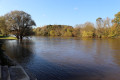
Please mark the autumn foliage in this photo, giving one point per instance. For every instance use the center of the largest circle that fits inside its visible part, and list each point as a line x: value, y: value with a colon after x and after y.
x: 103, y: 28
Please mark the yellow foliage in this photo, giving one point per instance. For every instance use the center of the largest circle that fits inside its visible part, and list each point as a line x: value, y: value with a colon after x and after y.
x: 52, y: 33
x: 87, y: 34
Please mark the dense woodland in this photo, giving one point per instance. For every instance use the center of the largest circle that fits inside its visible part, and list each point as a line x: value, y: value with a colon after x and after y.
x: 104, y: 28
x: 20, y: 24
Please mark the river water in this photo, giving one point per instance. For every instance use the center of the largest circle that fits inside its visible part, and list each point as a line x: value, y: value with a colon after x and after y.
x: 56, y: 58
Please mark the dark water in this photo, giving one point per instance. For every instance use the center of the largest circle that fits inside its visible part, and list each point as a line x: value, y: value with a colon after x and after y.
x: 68, y: 58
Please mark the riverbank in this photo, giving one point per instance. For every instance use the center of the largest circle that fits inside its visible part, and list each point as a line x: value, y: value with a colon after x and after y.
x: 4, y: 59
x: 10, y: 70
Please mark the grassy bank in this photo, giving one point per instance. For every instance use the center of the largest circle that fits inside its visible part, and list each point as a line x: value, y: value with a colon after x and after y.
x: 8, y: 37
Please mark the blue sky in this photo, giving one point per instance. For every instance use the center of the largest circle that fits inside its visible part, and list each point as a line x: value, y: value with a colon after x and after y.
x: 65, y: 12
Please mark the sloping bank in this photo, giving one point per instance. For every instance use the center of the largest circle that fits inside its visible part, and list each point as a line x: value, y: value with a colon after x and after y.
x: 10, y: 70
x: 4, y: 59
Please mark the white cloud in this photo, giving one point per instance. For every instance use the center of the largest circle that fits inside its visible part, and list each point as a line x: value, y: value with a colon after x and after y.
x: 76, y: 8
x: 44, y: 15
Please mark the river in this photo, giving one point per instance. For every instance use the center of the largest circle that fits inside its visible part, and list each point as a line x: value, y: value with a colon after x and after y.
x: 56, y: 58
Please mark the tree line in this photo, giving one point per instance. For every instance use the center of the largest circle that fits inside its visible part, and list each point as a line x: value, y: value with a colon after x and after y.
x: 19, y: 24
x: 103, y: 28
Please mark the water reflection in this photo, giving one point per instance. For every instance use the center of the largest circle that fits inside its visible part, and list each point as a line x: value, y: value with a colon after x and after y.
x: 56, y: 58
x: 20, y: 51
x: 115, y: 46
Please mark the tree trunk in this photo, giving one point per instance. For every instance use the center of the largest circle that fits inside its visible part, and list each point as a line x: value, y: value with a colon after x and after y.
x: 17, y: 37
x: 21, y: 37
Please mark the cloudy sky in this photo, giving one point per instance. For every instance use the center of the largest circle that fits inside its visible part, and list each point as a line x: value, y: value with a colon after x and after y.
x: 66, y: 12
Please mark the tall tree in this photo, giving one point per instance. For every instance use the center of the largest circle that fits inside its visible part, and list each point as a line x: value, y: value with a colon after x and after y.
x: 99, y: 22
x: 117, y: 19
x: 19, y: 23
x: 116, y: 24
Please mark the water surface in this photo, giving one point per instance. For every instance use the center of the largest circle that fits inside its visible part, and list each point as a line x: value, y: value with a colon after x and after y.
x: 55, y: 58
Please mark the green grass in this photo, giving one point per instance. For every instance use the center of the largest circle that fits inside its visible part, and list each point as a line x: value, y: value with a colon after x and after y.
x: 8, y: 37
